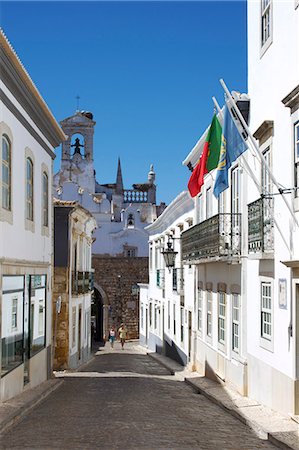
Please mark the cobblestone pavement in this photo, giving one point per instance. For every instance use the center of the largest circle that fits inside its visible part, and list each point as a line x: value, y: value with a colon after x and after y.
x: 126, y: 400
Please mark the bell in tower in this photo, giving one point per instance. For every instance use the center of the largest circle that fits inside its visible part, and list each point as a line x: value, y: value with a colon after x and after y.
x: 77, y: 164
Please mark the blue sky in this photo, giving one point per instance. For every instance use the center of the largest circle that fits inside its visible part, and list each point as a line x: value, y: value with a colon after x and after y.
x: 147, y: 71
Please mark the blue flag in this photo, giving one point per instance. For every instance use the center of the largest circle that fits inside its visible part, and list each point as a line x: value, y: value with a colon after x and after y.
x: 232, y: 146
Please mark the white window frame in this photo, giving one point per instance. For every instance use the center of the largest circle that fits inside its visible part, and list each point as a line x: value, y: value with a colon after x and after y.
x: 14, y: 313
x: 266, y: 182
x: 235, y: 299
x: 221, y: 203
x: 6, y: 164
x: 266, y: 313
x: 45, y: 199
x: 199, y: 309
x: 209, y: 314
x: 209, y: 208
x: 221, y: 319
x: 182, y: 315
x: 5, y: 214
x: 296, y: 157
x: 29, y: 190
x: 266, y: 30
x: 236, y: 190
x: 200, y: 208
x: 74, y: 317
x: 174, y: 320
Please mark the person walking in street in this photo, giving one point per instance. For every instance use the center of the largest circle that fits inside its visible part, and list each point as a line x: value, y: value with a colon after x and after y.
x: 112, y: 336
x: 122, y: 332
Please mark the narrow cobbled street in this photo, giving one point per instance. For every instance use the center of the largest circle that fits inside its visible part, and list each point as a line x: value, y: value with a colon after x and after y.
x: 126, y: 400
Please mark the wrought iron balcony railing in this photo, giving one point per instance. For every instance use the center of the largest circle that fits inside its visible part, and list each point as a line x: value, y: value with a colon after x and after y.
x: 260, y: 226
x: 160, y: 278
x: 82, y: 282
x: 218, y: 237
x: 178, y: 280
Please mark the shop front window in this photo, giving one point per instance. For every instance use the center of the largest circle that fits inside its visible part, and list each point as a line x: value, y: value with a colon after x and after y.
x: 12, y: 323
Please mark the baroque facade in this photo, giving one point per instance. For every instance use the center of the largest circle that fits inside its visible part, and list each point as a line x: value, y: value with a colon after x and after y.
x: 121, y: 215
x: 29, y: 134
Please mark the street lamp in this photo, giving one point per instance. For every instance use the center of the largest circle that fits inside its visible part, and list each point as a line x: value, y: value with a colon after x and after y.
x: 169, y: 255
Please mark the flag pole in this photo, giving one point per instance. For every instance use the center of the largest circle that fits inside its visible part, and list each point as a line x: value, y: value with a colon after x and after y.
x: 255, y: 180
x: 257, y: 150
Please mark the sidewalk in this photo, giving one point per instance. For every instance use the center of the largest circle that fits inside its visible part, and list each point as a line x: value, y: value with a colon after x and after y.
x: 267, y: 424
x: 12, y: 410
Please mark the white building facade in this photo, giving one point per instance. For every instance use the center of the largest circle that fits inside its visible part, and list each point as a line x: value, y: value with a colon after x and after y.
x: 273, y: 261
x: 167, y: 302
x: 29, y: 134
x: 73, y: 284
x: 242, y: 253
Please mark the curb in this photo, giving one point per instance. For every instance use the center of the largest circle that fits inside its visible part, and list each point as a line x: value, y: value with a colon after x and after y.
x: 28, y: 406
x: 260, y: 431
x: 162, y: 363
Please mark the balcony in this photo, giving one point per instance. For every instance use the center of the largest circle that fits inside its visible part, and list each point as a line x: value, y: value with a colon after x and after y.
x: 82, y: 282
x: 260, y: 226
x: 178, y: 280
x: 217, y: 238
x: 160, y: 278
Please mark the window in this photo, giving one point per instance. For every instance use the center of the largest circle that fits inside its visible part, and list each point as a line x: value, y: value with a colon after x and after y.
x: 296, y: 159
x: 221, y: 317
x: 150, y: 314
x: 37, y: 328
x: 265, y: 177
x: 200, y: 211
x: 150, y: 257
x: 130, y: 221
x: 209, y: 313
x: 174, y: 321
x: 235, y: 191
x: 199, y: 310
x: 6, y: 173
x: 155, y: 318
x: 236, y: 322
x: 130, y: 252
x: 45, y: 200
x: 29, y: 189
x: 74, y: 326
x: 12, y: 330
x: 182, y: 324
x: 174, y: 279
x: 221, y: 203
x: 14, y: 313
x: 266, y: 310
x: 142, y: 317
x: 208, y: 203
x: 266, y: 24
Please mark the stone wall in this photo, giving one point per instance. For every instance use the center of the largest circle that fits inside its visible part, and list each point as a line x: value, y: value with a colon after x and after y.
x: 115, y: 277
x: 61, y: 320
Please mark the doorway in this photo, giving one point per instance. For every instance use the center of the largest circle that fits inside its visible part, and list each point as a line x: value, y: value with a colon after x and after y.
x: 189, y: 334
x: 79, y: 333
x: 97, y: 315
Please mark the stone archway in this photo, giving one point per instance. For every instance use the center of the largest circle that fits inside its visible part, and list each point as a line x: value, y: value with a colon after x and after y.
x: 100, y: 313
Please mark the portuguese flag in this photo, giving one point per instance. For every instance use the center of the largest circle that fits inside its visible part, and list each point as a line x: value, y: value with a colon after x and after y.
x: 209, y: 157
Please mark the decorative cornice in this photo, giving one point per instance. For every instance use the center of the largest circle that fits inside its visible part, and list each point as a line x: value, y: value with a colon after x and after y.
x: 18, y: 81
x: 182, y: 204
x: 266, y: 127
x: 292, y: 100
x: 19, y: 116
